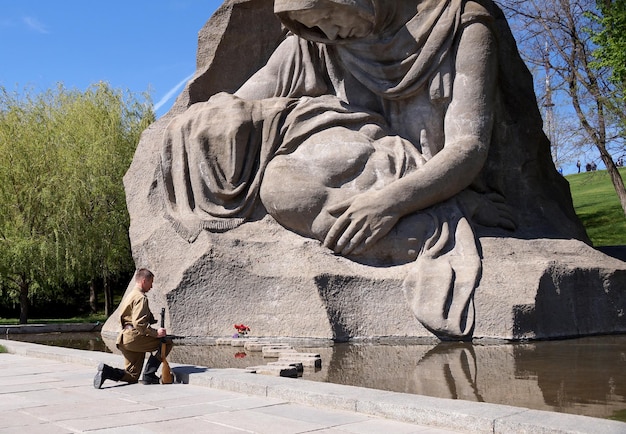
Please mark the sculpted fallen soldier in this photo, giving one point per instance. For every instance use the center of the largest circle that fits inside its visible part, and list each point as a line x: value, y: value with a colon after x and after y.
x: 136, y: 338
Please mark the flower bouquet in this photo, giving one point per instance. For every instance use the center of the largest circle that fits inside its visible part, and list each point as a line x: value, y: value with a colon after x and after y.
x: 242, y: 330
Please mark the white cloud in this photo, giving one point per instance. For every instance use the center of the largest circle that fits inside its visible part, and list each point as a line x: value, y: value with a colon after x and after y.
x: 35, y: 24
x: 170, y: 93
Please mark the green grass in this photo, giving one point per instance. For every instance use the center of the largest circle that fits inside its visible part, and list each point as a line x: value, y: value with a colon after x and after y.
x: 598, y: 207
x: 73, y: 320
x: 619, y: 415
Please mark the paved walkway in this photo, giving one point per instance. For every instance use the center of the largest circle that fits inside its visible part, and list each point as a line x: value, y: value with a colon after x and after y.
x: 49, y: 390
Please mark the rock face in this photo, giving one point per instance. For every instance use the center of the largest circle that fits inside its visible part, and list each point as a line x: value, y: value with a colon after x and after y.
x: 541, y: 280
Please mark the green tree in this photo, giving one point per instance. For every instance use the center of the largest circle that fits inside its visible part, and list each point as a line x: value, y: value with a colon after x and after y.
x: 610, y: 54
x: 611, y: 39
x: 63, y: 220
x: 566, y: 29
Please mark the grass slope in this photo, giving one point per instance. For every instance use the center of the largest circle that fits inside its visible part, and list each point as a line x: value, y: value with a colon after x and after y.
x: 598, y: 207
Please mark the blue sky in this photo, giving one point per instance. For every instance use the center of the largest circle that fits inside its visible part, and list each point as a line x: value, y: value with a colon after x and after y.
x: 135, y: 45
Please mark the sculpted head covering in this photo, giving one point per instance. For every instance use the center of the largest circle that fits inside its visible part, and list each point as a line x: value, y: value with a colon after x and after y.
x: 409, y: 42
x: 299, y: 5
x: 365, y: 9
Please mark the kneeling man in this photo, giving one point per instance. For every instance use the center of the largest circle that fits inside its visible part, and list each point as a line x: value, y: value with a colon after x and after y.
x: 136, y: 337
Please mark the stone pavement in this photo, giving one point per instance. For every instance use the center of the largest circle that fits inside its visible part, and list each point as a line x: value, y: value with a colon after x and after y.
x: 49, y: 389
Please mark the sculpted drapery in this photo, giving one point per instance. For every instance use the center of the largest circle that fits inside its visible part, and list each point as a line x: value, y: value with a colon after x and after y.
x: 366, y: 138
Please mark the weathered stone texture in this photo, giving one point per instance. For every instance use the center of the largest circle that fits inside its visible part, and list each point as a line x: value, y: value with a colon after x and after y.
x: 540, y: 281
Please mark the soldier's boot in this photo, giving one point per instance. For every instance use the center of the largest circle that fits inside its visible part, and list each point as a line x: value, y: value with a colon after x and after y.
x: 149, y: 373
x: 106, y: 372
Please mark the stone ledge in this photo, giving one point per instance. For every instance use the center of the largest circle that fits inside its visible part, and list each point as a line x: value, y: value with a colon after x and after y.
x: 49, y: 328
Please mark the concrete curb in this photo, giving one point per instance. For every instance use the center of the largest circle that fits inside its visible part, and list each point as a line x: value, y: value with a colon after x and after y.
x: 7, y: 330
x: 463, y: 416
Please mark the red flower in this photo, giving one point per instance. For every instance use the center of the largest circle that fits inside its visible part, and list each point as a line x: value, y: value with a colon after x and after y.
x: 242, y: 328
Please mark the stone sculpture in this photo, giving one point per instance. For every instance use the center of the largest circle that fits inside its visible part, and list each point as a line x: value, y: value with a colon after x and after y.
x: 403, y: 136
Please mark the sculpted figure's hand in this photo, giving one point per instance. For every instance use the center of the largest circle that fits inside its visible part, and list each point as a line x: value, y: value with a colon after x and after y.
x: 489, y: 209
x: 361, y: 222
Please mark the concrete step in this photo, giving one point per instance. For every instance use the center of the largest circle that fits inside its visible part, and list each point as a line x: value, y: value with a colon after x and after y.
x: 306, y: 361
x: 299, y: 366
x: 276, y: 371
x: 274, y: 351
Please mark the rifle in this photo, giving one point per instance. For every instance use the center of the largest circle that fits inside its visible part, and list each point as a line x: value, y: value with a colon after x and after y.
x: 166, y: 372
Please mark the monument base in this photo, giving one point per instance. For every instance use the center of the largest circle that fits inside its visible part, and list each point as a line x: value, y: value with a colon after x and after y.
x: 281, y: 284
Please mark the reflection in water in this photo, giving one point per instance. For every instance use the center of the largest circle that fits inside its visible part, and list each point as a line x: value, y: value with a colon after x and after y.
x: 453, y: 367
x: 586, y: 373
x: 91, y: 341
x: 579, y: 376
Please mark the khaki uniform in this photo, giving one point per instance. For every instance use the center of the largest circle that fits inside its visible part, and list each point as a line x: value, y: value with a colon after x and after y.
x: 137, y: 337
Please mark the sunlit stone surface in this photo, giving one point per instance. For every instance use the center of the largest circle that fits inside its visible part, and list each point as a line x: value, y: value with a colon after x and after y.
x: 453, y: 266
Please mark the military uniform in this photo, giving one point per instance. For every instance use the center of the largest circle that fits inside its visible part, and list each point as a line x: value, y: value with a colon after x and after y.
x: 137, y: 337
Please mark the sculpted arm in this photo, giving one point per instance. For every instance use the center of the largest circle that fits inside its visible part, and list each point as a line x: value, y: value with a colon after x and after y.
x: 467, y: 127
x: 291, y: 71
x: 264, y: 82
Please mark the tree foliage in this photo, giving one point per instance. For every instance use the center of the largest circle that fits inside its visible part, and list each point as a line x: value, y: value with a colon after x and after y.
x: 611, y: 40
x: 610, y: 53
x: 559, y: 35
x: 63, y: 219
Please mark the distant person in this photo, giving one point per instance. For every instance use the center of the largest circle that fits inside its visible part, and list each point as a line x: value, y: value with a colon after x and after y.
x: 578, y: 165
x: 588, y: 167
x: 136, y: 338
x: 594, y: 166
